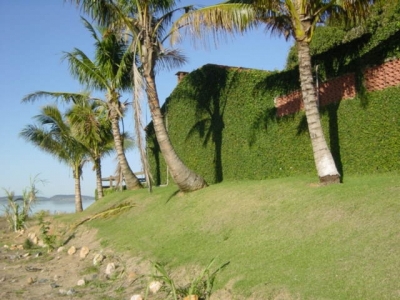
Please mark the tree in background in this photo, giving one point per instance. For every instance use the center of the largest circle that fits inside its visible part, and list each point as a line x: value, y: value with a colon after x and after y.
x: 92, y: 127
x: 145, y: 24
x: 110, y: 72
x: 291, y: 18
x: 53, y: 134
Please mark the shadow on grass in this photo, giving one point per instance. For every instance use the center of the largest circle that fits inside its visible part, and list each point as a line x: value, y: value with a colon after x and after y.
x: 172, y: 196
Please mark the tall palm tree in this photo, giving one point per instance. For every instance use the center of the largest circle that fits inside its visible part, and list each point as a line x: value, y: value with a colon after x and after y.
x: 53, y: 135
x: 146, y: 24
x: 290, y: 18
x: 108, y: 72
x: 92, y: 127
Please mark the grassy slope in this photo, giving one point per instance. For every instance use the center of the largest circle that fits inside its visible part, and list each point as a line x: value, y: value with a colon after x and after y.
x: 281, y: 236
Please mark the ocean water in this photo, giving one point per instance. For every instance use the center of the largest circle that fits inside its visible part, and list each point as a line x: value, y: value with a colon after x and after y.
x: 53, y: 206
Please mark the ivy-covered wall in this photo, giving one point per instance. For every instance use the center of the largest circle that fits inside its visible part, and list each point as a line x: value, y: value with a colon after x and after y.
x: 224, y: 125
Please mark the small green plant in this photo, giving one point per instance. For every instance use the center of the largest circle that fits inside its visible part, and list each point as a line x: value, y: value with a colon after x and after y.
x: 48, y: 239
x: 28, y: 244
x: 162, y: 275
x: 90, y: 270
x: 14, y: 216
x: 17, y: 213
x: 200, y: 286
x: 203, y: 284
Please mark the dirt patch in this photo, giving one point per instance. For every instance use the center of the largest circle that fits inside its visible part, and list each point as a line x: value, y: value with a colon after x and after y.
x: 36, y: 273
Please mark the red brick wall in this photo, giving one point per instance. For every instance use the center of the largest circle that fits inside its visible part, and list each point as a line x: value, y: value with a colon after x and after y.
x: 383, y: 76
x: 340, y: 88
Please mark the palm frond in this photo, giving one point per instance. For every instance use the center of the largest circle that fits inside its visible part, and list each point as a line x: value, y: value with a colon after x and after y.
x: 53, y: 135
x: 170, y: 59
x: 90, y: 28
x: 83, y: 69
x: 57, y: 96
x: 100, y: 10
x: 219, y: 21
x: 167, y: 19
x: 113, y: 211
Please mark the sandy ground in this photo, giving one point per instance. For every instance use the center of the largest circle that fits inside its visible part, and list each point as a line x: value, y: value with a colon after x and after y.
x: 38, y: 274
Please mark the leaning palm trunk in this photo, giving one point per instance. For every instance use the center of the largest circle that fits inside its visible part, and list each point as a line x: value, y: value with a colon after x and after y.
x: 131, y: 181
x: 99, y: 183
x: 186, y: 179
x: 324, y: 162
x: 78, y: 194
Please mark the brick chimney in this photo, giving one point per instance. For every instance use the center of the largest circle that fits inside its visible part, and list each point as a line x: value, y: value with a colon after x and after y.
x: 181, y: 75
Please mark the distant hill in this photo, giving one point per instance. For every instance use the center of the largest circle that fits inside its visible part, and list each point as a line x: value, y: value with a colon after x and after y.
x: 19, y: 197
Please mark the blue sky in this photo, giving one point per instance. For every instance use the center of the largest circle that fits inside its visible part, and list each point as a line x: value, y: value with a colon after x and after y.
x: 34, y: 36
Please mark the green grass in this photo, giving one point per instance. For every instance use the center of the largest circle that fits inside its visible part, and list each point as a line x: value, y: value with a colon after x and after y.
x: 284, y: 237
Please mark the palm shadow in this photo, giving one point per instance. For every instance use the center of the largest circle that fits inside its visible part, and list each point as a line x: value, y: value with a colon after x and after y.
x: 172, y: 196
x: 283, y: 82
x: 155, y: 150
x: 209, y: 83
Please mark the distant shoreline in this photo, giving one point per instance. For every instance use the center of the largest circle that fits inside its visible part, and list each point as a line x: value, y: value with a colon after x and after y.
x: 54, y: 205
x: 52, y: 198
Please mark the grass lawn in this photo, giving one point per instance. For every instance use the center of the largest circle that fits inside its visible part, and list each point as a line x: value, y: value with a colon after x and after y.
x: 285, y: 238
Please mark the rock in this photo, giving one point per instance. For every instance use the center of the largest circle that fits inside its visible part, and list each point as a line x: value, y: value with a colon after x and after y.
x: 110, y: 268
x: 71, y: 292
x: 155, y: 286
x: 60, y: 249
x: 136, y: 297
x: 71, y: 250
x: 84, y: 252
x: 98, y: 258
x: 33, y: 238
x: 54, y: 285
x: 191, y: 297
x: 30, y: 280
x: 132, y: 276
x: 20, y: 247
x: 32, y: 269
x: 56, y: 277
x: 81, y: 282
x: 26, y: 255
x: 2, y: 279
x: 62, y: 291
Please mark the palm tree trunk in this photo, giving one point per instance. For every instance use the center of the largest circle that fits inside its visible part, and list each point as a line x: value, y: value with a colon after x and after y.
x: 131, y: 181
x: 323, y: 159
x: 99, y: 182
x: 78, y: 193
x: 186, y: 179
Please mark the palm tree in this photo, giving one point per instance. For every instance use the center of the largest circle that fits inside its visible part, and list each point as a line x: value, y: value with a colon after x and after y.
x: 109, y: 72
x: 53, y: 135
x: 91, y: 126
x: 291, y: 18
x: 146, y: 22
